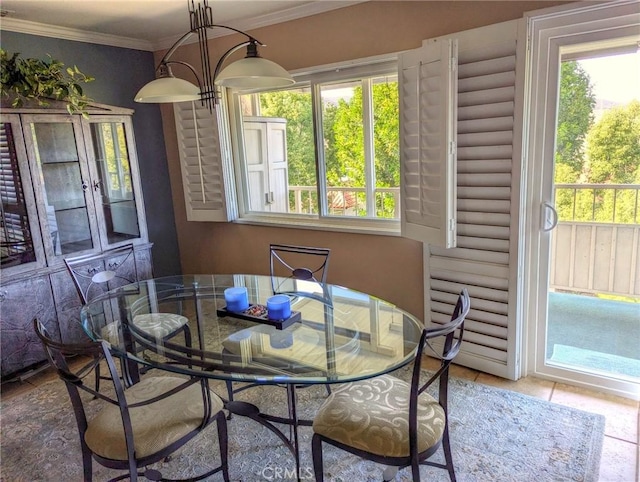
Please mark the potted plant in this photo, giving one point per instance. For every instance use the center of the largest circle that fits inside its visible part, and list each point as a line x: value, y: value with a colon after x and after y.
x: 29, y: 79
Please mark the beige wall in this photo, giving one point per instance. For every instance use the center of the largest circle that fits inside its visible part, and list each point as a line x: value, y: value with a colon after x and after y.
x: 385, y: 266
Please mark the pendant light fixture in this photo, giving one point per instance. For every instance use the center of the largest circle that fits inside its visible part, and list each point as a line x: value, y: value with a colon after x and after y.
x: 250, y: 72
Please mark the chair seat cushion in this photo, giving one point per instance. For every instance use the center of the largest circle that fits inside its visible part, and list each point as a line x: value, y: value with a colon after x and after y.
x: 155, y: 426
x: 160, y: 325
x: 111, y: 333
x: 373, y: 415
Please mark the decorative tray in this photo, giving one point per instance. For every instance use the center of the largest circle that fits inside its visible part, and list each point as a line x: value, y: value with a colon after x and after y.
x: 259, y: 314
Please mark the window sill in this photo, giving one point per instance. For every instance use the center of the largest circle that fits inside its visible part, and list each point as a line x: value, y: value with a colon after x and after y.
x: 344, y: 225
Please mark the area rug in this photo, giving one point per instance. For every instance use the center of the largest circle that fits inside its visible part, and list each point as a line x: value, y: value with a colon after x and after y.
x: 496, y: 435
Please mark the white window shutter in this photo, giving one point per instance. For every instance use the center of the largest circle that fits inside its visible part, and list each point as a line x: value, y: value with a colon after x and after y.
x: 485, y: 261
x: 428, y: 100
x: 202, y: 161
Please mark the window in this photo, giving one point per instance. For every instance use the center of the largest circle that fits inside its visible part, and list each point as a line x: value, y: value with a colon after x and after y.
x: 351, y: 176
x: 327, y: 153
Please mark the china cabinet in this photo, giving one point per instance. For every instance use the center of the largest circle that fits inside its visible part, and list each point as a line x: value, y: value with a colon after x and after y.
x: 69, y: 185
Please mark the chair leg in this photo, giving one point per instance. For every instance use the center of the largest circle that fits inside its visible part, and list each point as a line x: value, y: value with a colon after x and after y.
x: 446, y: 446
x: 415, y: 471
x: 87, y: 463
x: 187, y: 335
x: 97, y: 373
x: 187, y: 340
x: 316, y: 450
x: 223, y: 439
x: 230, y: 395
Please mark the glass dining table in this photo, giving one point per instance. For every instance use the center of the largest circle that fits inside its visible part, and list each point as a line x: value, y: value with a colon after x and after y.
x: 332, y: 335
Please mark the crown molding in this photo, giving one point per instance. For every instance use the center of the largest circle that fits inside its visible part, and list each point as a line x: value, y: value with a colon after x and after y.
x: 45, y: 30
x: 293, y: 13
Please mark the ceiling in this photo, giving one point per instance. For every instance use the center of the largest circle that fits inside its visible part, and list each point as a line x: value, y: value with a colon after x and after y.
x: 146, y: 24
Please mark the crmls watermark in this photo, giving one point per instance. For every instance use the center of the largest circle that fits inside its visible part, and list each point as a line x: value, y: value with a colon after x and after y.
x: 286, y: 473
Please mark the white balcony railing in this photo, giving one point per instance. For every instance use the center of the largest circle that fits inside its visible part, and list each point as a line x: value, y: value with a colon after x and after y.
x: 346, y: 201
x: 596, y: 246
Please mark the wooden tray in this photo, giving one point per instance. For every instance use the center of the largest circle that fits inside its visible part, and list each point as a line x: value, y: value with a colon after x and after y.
x: 262, y: 317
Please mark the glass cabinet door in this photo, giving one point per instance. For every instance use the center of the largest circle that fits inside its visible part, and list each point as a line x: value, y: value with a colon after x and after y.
x: 20, y: 244
x: 116, y: 190
x: 114, y: 167
x: 57, y: 156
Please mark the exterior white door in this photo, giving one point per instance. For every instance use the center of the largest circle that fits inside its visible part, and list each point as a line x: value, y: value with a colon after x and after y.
x: 558, y: 33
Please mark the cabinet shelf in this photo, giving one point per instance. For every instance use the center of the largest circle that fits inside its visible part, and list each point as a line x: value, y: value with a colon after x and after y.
x: 47, y: 164
x: 69, y: 205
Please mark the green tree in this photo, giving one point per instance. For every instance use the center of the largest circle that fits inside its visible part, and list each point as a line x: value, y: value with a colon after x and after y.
x: 613, y: 146
x: 575, y: 116
x: 387, y: 134
x: 346, y: 166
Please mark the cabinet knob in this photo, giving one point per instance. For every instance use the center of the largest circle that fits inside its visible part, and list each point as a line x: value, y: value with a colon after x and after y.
x: 85, y: 186
x: 96, y: 185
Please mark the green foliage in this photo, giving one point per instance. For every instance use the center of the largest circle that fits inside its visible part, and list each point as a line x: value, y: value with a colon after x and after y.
x: 607, y: 152
x: 613, y: 146
x: 575, y: 116
x: 346, y: 167
x: 387, y: 134
x: 42, y: 80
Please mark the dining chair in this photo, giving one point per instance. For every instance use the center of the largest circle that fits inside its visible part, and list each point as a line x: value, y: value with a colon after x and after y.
x: 94, y: 274
x: 393, y: 422
x: 141, y: 425
x: 287, y: 265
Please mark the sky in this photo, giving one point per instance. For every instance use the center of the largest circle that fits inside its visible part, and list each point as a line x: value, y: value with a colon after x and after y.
x: 615, y: 78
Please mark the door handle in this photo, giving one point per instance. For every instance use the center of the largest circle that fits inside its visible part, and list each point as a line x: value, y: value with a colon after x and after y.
x: 549, y: 217
x: 268, y: 197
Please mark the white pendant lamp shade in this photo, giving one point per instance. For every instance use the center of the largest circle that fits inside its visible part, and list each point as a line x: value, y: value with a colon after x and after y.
x: 253, y: 72
x: 168, y: 89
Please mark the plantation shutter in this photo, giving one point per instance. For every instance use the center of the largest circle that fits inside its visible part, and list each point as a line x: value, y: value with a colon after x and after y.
x: 205, y: 163
x: 427, y: 125
x: 19, y: 228
x: 490, y: 99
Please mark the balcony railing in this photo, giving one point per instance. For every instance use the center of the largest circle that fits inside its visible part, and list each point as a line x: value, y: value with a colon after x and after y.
x: 346, y: 201
x: 595, y: 248
x: 601, y: 203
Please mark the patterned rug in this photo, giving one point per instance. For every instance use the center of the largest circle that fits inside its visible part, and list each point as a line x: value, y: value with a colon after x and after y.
x: 496, y: 435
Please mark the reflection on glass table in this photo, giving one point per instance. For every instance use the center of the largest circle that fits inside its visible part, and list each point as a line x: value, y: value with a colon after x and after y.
x: 343, y: 335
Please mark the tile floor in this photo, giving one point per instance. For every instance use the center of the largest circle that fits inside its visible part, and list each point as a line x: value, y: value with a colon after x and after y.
x: 621, y: 449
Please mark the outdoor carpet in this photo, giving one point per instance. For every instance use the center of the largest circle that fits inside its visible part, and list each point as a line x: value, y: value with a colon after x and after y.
x: 496, y: 435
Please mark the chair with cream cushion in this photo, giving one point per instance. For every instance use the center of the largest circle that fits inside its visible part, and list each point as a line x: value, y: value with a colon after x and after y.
x: 140, y: 426
x: 96, y: 273
x: 390, y: 421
